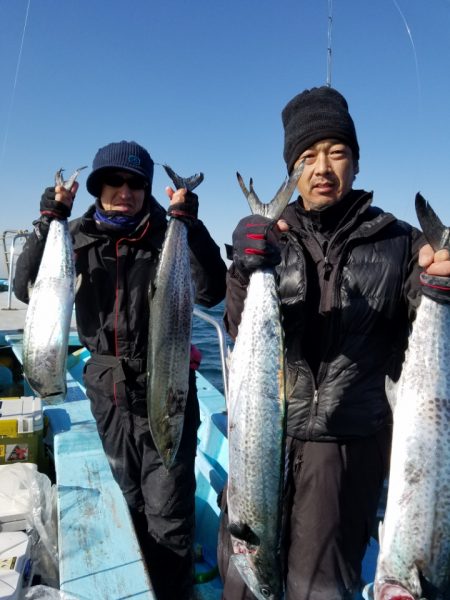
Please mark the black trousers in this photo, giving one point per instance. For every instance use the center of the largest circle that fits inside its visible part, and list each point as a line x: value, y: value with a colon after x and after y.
x: 330, y: 504
x: 161, y: 502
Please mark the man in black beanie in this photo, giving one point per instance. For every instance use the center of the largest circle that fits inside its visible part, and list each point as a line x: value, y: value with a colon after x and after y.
x: 117, y: 243
x: 348, y: 277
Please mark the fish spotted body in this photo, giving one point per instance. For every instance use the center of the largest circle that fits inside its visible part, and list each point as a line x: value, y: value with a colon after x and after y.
x: 256, y: 425
x: 47, y: 321
x: 415, y: 535
x: 171, y: 301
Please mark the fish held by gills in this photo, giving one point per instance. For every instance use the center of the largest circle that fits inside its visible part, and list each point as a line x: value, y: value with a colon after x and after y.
x: 49, y: 312
x: 256, y: 423
x: 414, y: 552
x: 171, y: 302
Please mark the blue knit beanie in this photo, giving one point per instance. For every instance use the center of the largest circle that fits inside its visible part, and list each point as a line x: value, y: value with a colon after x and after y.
x: 120, y: 156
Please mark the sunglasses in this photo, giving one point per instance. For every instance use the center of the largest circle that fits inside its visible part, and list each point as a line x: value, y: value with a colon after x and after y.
x: 115, y: 180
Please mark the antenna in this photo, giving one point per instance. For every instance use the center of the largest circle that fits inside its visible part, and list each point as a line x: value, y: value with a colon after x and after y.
x: 330, y: 24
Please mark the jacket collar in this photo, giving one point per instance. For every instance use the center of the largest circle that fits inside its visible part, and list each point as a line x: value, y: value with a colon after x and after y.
x: 332, y: 218
x: 88, y: 232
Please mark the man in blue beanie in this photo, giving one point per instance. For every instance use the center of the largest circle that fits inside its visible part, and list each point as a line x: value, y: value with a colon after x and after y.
x: 349, y: 286
x: 117, y: 243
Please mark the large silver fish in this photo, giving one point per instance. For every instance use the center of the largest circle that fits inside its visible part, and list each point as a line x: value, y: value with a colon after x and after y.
x: 415, y: 535
x: 171, y: 300
x: 47, y: 321
x: 256, y: 423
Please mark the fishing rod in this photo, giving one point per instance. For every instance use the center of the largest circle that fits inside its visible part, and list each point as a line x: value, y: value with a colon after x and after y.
x: 16, y: 77
x: 330, y: 25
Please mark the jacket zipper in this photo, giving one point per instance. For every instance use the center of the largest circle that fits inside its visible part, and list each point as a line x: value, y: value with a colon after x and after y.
x: 116, y: 316
x: 316, y: 402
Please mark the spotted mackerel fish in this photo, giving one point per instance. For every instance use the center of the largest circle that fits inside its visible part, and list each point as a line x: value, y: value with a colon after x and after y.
x: 47, y: 321
x: 256, y: 423
x: 171, y: 300
x: 415, y: 535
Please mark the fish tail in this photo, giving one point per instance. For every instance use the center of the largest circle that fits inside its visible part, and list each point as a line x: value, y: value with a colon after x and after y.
x: 437, y: 235
x: 273, y: 209
x: 190, y: 183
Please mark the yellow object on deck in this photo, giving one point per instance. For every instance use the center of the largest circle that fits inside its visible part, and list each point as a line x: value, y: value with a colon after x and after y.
x: 21, y: 429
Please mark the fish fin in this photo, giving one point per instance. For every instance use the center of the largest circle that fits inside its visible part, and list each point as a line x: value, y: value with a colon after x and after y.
x: 58, y: 177
x: 30, y: 288
x: 242, y: 531
x: 78, y: 281
x: 437, y: 235
x: 390, y: 387
x: 380, y: 532
x: 274, y: 208
x: 190, y: 183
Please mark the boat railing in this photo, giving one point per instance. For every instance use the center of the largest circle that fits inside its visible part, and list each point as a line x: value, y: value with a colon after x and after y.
x: 220, y: 331
x: 15, y: 236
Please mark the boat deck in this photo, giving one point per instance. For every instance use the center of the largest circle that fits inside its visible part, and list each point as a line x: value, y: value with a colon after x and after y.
x: 99, y: 555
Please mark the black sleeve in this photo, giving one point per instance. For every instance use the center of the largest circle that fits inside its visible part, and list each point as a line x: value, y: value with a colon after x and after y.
x: 412, y: 287
x: 208, y: 268
x: 235, y: 297
x: 29, y: 259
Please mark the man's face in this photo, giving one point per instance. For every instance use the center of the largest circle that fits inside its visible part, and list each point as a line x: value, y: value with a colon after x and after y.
x: 328, y: 174
x: 123, y: 191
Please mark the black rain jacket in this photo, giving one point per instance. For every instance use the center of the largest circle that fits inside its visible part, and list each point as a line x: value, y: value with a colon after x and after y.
x: 113, y: 277
x: 368, y: 291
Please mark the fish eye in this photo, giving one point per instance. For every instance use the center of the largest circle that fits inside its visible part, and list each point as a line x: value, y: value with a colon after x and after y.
x: 265, y: 592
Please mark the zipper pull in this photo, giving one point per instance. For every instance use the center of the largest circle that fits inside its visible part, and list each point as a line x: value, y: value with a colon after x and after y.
x: 316, y: 401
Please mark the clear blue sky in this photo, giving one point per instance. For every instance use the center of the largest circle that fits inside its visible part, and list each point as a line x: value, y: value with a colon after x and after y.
x: 201, y: 84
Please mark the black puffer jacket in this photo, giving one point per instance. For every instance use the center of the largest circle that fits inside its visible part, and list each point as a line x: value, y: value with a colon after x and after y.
x: 367, y: 284
x: 114, y: 274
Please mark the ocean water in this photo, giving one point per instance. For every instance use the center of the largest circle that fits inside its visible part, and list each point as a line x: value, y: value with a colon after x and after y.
x: 204, y: 336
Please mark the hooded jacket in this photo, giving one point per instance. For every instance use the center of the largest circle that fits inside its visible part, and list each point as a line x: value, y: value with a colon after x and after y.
x: 349, y: 286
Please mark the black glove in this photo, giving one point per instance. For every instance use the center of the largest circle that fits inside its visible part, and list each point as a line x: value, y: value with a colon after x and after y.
x: 186, y: 211
x: 435, y: 287
x: 255, y: 245
x: 51, y: 208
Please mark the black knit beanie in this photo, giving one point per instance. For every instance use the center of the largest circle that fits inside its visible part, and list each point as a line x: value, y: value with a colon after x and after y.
x: 314, y: 115
x: 120, y: 156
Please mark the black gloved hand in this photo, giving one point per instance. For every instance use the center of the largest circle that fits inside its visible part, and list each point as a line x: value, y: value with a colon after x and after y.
x: 51, y: 208
x: 186, y: 211
x: 435, y: 287
x: 255, y: 245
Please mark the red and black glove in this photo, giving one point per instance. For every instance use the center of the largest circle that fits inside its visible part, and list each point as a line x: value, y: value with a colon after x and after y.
x: 186, y: 211
x: 51, y: 208
x: 255, y: 245
x: 435, y: 287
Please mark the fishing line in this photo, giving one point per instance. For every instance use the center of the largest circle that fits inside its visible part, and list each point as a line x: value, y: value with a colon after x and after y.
x: 419, y: 87
x: 16, y: 77
x: 330, y: 23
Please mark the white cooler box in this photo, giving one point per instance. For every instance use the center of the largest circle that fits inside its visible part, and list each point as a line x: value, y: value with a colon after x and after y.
x: 15, y: 496
x: 15, y: 564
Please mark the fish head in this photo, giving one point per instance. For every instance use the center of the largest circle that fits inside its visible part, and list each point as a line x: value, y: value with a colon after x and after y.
x: 264, y: 584
x: 387, y: 590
